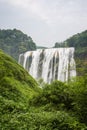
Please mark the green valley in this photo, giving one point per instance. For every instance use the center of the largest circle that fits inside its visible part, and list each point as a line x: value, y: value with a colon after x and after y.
x: 25, y: 106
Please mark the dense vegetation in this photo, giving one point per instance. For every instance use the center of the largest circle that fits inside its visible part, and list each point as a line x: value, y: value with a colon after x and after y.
x: 79, y: 41
x: 24, y: 106
x: 63, y: 106
x: 14, y: 42
x: 16, y: 88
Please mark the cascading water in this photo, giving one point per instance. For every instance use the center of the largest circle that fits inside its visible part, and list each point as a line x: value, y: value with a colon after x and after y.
x: 50, y: 64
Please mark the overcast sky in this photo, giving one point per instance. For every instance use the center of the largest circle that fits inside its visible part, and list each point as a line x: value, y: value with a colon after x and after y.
x: 46, y: 21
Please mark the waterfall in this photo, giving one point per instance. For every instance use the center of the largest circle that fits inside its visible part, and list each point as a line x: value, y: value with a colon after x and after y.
x: 50, y: 64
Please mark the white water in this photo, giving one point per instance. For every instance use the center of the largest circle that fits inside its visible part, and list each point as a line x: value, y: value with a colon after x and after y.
x: 50, y: 64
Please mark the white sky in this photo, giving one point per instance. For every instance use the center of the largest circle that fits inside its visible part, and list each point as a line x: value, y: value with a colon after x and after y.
x: 46, y: 21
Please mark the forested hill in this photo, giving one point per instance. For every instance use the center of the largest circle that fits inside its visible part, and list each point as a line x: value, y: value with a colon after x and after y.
x: 79, y: 41
x: 14, y: 42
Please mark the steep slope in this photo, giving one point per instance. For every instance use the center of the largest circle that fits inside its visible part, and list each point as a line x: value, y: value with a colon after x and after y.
x: 14, y: 42
x: 13, y: 76
x: 79, y: 41
x: 16, y: 89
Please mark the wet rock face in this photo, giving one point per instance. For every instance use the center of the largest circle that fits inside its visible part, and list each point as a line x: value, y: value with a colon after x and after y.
x: 40, y: 65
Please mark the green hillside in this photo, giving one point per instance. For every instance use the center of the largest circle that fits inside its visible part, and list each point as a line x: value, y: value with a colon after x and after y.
x: 25, y: 106
x: 58, y: 106
x: 16, y: 89
x: 14, y: 42
x: 79, y: 41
